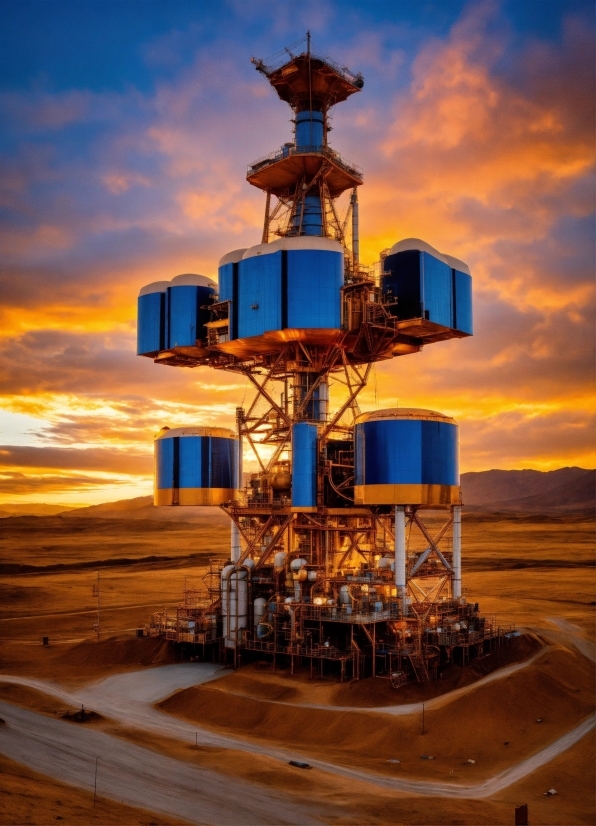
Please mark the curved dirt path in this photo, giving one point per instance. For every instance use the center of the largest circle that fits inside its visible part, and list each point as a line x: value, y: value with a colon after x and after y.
x: 570, y: 633
x: 404, y: 708
x: 128, y: 699
x: 140, y: 777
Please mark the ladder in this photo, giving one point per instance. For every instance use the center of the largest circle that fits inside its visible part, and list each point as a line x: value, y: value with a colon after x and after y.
x: 420, y: 669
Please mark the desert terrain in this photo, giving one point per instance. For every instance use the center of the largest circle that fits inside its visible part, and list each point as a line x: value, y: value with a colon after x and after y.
x: 533, y: 570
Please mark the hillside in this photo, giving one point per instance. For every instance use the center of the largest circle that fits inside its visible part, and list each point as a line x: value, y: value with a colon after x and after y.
x: 575, y: 494
x: 566, y: 488
x: 142, y: 508
x: 32, y: 509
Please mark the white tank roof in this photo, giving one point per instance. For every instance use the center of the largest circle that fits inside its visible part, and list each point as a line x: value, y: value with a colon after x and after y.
x: 457, y: 264
x: 404, y: 413
x: 297, y: 242
x: 232, y: 257
x: 189, y: 279
x: 154, y: 287
x: 171, y: 432
x: 422, y: 246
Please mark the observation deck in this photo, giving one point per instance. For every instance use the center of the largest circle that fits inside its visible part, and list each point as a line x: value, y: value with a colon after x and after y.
x: 278, y: 172
x: 310, y: 79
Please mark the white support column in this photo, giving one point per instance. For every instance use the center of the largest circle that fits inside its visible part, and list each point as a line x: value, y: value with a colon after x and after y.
x: 456, y: 551
x: 400, y: 556
x: 235, y: 546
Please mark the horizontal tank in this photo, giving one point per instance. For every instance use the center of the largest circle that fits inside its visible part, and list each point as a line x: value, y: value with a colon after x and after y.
x: 173, y: 314
x: 406, y: 457
x: 428, y: 285
x: 196, y: 466
x: 287, y: 290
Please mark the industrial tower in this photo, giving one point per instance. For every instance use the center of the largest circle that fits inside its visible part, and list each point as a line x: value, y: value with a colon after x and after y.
x: 331, y: 562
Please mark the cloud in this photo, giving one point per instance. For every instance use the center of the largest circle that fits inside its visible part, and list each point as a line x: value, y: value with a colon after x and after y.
x: 105, y: 460
x: 474, y: 137
x: 14, y: 485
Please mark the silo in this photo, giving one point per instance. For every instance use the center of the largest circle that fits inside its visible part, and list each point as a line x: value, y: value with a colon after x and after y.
x: 428, y: 285
x: 304, y: 466
x: 293, y: 283
x: 196, y: 466
x: 228, y: 269
x: 151, y: 314
x: 188, y: 296
x: 406, y: 457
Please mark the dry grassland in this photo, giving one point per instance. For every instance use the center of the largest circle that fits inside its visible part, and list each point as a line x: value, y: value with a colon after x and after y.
x: 531, y: 572
x: 27, y: 797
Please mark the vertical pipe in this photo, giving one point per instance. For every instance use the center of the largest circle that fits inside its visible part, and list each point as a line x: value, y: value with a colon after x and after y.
x: 400, y: 555
x: 456, y: 551
x: 355, y: 228
x: 265, y: 239
x: 235, y: 546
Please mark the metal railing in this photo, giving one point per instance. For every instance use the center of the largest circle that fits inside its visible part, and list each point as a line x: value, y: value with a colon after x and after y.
x: 337, y: 614
x: 287, y: 150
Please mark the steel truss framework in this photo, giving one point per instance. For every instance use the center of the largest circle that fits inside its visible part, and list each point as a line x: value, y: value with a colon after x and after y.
x: 319, y: 585
x: 335, y: 623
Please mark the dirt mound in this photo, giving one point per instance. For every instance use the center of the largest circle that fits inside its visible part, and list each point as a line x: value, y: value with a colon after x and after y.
x: 374, y: 692
x: 88, y: 656
x: 281, y: 686
x: 260, y: 686
x: 557, y: 688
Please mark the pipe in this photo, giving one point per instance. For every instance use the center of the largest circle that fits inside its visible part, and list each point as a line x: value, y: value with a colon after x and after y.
x: 235, y: 545
x: 456, y: 551
x: 400, y: 556
x: 355, y: 229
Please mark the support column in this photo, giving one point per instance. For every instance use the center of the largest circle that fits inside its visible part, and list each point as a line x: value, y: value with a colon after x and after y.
x: 355, y: 228
x: 235, y: 546
x: 400, y: 556
x: 456, y: 551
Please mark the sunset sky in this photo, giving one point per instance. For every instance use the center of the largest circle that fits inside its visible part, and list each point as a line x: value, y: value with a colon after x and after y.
x: 125, y: 130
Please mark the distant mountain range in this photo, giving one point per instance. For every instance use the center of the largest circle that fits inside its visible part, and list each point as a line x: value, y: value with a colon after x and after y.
x: 568, y: 488
x: 142, y: 508
x: 534, y: 491
x: 31, y: 509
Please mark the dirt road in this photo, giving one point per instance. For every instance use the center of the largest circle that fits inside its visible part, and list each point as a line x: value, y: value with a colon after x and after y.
x: 128, y: 699
x: 138, y: 776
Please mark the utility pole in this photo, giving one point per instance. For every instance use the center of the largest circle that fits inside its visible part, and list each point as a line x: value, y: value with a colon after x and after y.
x: 96, y: 593
x: 95, y: 783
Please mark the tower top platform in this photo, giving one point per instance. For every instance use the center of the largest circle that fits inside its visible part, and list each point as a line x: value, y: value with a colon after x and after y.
x: 279, y: 171
x: 308, y: 81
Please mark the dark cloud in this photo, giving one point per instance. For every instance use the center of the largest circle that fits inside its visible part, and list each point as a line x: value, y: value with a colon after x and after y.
x: 90, y: 459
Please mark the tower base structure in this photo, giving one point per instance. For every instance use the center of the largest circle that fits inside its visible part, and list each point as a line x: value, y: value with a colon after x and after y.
x: 335, y: 605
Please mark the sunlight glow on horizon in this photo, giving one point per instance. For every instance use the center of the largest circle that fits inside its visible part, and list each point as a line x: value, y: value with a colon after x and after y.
x: 474, y: 133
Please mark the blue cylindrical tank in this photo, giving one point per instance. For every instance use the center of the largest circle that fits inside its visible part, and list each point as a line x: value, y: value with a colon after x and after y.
x: 196, y: 466
x: 228, y: 270
x: 309, y: 129
x: 304, y: 466
x: 462, y: 295
x: 151, y: 318
x: 186, y: 316
x: 308, y: 219
x: 428, y: 285
x: 406, y: 457
x: 293, y: 283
